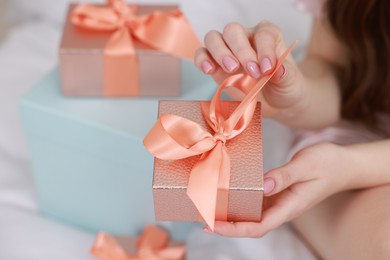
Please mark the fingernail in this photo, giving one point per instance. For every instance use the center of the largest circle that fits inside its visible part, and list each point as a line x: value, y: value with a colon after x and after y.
x: 206, y: 66
x: 253, y: 69
x: 281, y: 72
x: 266, y: 65
x: 269, y: 185
x: 284, y: 71
x: 229, y: 63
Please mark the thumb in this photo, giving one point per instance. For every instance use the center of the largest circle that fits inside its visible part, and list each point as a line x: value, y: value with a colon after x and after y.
x: 279, y: 179
x: 284, y: 90
x: 286, y: 73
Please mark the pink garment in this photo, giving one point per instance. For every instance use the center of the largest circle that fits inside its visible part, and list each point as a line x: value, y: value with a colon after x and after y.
x: 310, y: 6
x: 343, y: 133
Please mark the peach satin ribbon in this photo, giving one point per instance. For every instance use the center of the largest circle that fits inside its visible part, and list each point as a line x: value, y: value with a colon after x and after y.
x: 173, y: 138
x: 169, y: 32
x: 152, y: 245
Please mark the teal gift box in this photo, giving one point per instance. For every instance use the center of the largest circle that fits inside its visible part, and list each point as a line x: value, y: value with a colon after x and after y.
x: 89, y: 163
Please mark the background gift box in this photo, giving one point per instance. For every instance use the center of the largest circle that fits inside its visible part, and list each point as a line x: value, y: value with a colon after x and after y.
x: 90, y: 166
x: 121, y: 50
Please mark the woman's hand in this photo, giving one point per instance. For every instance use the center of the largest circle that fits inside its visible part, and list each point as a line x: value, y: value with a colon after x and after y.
x: 313, y: 174
x: 254, y: 51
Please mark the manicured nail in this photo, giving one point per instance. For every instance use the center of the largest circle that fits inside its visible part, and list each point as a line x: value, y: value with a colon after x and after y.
x: 281, y: 72
x: 266, y: 65
x: 284, y: 71
x: 206, y: 66
x: 229, y: 63
x: 253, y: 69
x: 269, y: 185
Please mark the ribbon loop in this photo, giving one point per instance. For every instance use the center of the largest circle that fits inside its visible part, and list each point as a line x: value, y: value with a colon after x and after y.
x: 152, y: 244
x: 212, y: 171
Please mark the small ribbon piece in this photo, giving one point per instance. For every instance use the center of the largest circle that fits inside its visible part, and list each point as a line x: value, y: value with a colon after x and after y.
x: 174, y: 137
x: 168, y: 32
x: 151, y: 245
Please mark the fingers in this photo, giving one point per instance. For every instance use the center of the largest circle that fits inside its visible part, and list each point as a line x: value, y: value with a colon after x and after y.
x: 230, y: 50
x: 269, y: 45
x: 237, y: 229
x: 289, y: 206
x: 266, y: 39
x: 220, y: 51
x: 237, y: 39
x: 253, y: 50
x: 204, y: 61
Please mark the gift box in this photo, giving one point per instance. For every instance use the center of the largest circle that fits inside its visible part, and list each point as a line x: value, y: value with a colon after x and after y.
x: 153, y: 243
x: 245, y: 193
x: 121, y: 50
x: 90, y: 167
x: 208, y: 155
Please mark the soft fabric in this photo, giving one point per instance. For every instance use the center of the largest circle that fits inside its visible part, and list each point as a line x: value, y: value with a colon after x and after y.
x: 342, y: 133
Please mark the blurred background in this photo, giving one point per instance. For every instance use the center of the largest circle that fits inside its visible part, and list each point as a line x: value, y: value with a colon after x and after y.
x: 3, y: 24
x: 30, y: 32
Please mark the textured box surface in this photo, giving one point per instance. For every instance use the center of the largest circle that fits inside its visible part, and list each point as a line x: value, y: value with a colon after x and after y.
x: 246, y: 182
x: 90, y: 166
x: 82, y: 57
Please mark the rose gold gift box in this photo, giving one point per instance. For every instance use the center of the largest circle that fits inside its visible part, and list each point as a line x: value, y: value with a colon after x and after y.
x: 246, y: 183
x: 81, y: 62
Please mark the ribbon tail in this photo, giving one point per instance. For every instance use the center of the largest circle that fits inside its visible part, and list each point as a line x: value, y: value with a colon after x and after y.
x: 107, y: 248
x: 121, y: 71
x: 170, y: 33
x: 152, y: 239
x: 203, y: 183
x: 222, y: 208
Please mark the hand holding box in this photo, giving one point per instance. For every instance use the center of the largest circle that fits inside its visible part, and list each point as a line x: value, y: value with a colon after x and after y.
x: 222, y: 184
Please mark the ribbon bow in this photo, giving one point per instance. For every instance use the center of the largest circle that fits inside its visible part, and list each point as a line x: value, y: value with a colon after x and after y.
x: 174, y: 137
x: 151, y: 245
x: 169, y: 32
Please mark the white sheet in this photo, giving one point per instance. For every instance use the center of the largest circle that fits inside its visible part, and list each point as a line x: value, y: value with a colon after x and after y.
x: 29, y: 51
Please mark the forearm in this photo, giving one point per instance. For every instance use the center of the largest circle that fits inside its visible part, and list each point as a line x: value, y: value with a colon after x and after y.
x: 367, y: 164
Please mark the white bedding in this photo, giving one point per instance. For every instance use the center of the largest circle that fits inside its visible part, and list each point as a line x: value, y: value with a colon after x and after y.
x: 29, y: 51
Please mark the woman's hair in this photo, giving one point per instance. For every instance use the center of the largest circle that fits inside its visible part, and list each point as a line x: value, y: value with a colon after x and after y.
x: 363, y: 26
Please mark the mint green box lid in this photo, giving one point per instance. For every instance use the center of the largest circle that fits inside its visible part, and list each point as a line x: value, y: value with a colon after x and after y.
x: 90, y: 166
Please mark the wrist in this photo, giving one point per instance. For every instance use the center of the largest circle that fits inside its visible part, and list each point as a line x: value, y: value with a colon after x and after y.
x: 345, y: 164
x: 367, y: 164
